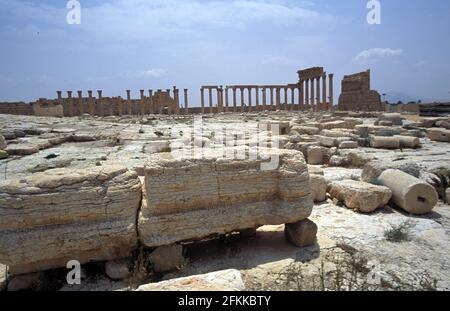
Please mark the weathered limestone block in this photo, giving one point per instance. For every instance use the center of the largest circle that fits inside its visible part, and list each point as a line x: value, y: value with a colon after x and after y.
x: 338, y: 161
x: 348, y: 145
x: 226, y: 280
x: 439, y: 134
x: 361, y: 196
x: 408, y: 141
x: 347, y: 123
x: 315, y: 155
x: 62, y: 214
x: 194, y: 198
x: 22, y: 149
x: 409, y: 193
x: 2, y: 143
x: 373, y: 169
x: 336, y: 133
x: 3, y: 154
x: 308, y: 130
x: 447, y: 196
x: 385, y: 123
x: 302, y: 233
x: 444, y: 124
x: 384, y: 142
x: 318, y: 188
x: 395, y: 118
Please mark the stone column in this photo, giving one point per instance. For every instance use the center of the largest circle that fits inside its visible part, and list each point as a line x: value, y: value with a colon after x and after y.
x: 186, y: 104
x: 286, y: 99
x: 318, y: 94
x: 202, y: 99
x: 311, y: 100
x: 278, y: 98
x: 176, y: 97
x: 211, y: 110
x: 324, y: 92
x: 100, y: 100
x: 91, y: 103
x: 129, y: 102
x: 70, y: 104
x: 264, y: 98
x: 159, y: 103
x: 234, y: 100
x: 249, y: 99
x: 168, y: 107
x: 301, y: 104
x: 242, y: 100
x: 257, y: 99
x: 142, y: 102
x: 271, y: 99
x: 227, y: 103
x: 306, y: 92
x: 219, y: 99
x: 292, y: 99
x: 59, y: 95
x: 150, y: 96
x: 80, y: 101
x: 330, y: 86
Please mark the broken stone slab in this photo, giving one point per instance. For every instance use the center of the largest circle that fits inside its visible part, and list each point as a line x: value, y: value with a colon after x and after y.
x: 308, y: 130
x: 215, y: 196
x: 22, y: 149
x: 383, y: 142
x: 167, y: 258
x: 373, y: 169
x: 360, y: 196
x: 409, y: 193
x: 318, y: 188
x: 302, y: 233
x: 50, y: 218
x: 347, y: 123
x: 348, y: 145
x: 226, y: 280
x: 439, y: 135
x: 395, y: 118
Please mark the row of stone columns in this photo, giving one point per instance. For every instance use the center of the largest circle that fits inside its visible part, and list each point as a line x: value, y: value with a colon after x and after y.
x: 314, y: 99
x: 76, y: 106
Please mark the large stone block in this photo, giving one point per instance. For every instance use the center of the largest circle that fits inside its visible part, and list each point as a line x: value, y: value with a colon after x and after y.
x: 50, y: 218
x: 439, y: 134
x: 195, y: 198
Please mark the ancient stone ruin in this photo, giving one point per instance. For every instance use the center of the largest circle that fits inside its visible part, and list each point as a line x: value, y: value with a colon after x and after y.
x: 356, y: 94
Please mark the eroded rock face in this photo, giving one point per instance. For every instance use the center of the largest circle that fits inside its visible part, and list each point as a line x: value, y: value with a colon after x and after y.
x: 226, y: 280
x: 360, y: 196
x: 50, y: 218
x: 192, y: 199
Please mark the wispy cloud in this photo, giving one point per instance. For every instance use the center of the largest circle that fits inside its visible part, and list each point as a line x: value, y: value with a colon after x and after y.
x: 376, y: 54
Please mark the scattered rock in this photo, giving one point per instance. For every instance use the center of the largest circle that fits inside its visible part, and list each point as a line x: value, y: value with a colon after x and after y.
x: 2, y: 143
x: 118, y: 269
x: 408, y: 142
x: 314, y: 155
x: 360, y: 196
x: 373, y: 169
x: 383, y: 142
x: 409, y: 193
x: 338, y: 161
x: 439, y: 135
x: 318, y: 188
x: 302, y: 233
x: 3, y: 154
x: 22, y: 149
x: 167, y: 258
x: 348, y: 145
x: 394, y: 118
x: 226, y: 280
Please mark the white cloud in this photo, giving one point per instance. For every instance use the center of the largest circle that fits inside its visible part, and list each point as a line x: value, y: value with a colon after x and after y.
x: 154, y: 73
x: 376, y: 54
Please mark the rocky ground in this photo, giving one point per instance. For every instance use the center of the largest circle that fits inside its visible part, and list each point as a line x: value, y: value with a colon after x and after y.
x: 384, y: 249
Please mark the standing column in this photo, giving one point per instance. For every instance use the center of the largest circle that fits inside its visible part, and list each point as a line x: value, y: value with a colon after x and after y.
x: 286, y: 100
x: 227, y: 104
x: 176, y: 97
x: 311, y: 100
x: 210, y: 101
x: 69, y: 100
x: 271, y: 99
x: 249, y: 99
x: 219, y: 99
x: 59, y: 94
x: 324, y: 92
x: 301, y: 105
x: 169, y: 111
x: 186, y: 104
x: 142, y: 102
x: 90, y: 103
x: 306, y: 95
x: 257, y: 99
x: 264, y: 98
x: 330, y: 86
x: 317, y: 94
x: 202, y: 99
x: 292, y: 98
x: 234, y: 100
x: 159, y: 102
x: 128, y: 102
x: 80, y: 102
x: 100, y: 100
x: 150, y: 96
x: 278, y: 98
x: 242, y: 100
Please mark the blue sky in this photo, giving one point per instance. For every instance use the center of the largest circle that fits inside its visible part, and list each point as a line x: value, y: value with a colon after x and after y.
x: 137, y: 44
